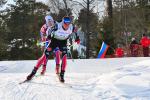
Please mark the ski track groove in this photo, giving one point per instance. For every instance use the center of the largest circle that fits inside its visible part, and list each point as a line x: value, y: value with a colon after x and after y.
x: 83, y: 82
x: 3, y: 68
x: 34, y: 97
x: 33, y: 90
x: 25, y: 90
x: 57, y: 88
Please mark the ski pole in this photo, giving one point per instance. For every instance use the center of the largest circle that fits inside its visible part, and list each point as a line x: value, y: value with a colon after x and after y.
x: 71, y: 53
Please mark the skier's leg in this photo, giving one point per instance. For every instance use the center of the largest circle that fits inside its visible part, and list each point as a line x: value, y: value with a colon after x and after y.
x: 39, y: 62
x: 44, y: 67
x: 30, y: 76
x: 47, y: 52
x: 64, y: 64
x: 57, y: 59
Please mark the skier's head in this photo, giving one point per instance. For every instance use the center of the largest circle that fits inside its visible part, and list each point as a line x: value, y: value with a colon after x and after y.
x: 143, y: 34
x: 66, y: 22
x: 49, y: 20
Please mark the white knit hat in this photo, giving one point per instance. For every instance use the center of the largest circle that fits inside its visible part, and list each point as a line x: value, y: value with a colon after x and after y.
x: 48, y: 18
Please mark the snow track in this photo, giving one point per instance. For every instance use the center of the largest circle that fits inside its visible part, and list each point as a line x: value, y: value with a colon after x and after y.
x: 45, y: 87
x: 92, y: 79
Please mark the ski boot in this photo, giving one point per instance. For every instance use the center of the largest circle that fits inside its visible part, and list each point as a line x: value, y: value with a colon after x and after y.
x: 43, y: 70
x: 61, y: 78
x: 30, y: 76
x: 57, y: 69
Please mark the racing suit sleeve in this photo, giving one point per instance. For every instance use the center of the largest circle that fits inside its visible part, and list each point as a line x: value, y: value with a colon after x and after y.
x: 43, y: 33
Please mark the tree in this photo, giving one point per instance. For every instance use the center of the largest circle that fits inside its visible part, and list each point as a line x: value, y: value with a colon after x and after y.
x: 2, y: 2
x: 107, y: 27
x: 93, y: 23
x: 24, y: 23
x: 88, y: 6
x: 3, y: 35
x: 59, y: 9
x: 109, y: 8
x: 130, y: 17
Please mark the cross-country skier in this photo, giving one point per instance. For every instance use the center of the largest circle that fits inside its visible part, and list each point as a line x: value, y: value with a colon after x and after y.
x: 58, y: 45
x: 49, y: 23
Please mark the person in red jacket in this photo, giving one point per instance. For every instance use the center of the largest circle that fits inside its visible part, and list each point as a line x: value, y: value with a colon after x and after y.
x: 49, y: 24
x: 145, y: 44
x: 119, y: 52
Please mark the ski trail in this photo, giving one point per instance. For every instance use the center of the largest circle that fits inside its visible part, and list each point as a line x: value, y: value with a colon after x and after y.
x: 40, y: 88
x: 55, y: 89
x: 3, y: 68
x: 84, y: 80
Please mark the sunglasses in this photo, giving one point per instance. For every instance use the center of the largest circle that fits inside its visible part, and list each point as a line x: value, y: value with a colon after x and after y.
x: 67, y: 23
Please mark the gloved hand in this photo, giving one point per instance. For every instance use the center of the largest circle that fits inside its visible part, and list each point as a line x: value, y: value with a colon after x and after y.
x: 77, y: 41
x: 47, y: 43
x: 43, y: 39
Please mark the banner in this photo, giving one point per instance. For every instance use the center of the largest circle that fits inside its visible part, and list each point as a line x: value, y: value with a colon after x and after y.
x: 103, y: 50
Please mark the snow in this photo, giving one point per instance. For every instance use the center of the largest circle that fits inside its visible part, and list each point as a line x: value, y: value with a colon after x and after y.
x: 85, y: 79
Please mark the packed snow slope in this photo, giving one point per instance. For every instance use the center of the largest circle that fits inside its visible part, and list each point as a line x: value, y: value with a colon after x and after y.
x: 85, y: 79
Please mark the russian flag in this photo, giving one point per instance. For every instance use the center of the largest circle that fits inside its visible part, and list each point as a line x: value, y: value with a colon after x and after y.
x: 103, y: 50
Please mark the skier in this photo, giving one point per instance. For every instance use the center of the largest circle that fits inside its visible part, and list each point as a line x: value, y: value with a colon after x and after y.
x: 58, y: 44
x: 49, y: 23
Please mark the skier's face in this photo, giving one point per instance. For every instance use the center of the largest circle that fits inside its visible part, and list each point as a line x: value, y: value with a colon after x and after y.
x: 66, y: 22
x: 66, y: 25
x: 50, y: 23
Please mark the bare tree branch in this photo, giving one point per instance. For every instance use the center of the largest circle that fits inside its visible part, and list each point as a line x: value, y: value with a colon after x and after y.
x: 91, y: 10
x: 91, y: 1
x: 66, y: 6
x: 79, y: 3
x: 2, y: 2
x: 75, y: 12
x: 84, y: 1
x: 55, y: 5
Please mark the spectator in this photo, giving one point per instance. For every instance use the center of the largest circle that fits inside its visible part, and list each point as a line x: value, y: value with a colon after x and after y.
x: 134, y: 47
x: 119, y: 52
x: 145, y: 44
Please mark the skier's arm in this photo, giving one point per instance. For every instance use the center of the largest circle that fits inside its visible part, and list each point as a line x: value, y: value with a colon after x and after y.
x: 43, y: 33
